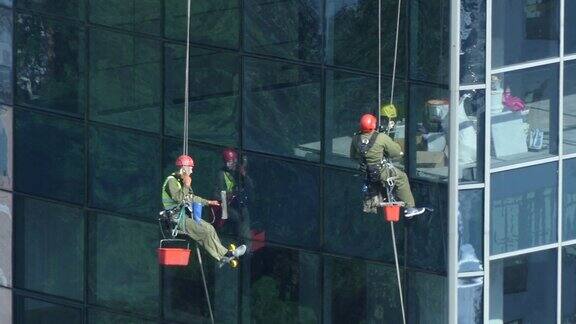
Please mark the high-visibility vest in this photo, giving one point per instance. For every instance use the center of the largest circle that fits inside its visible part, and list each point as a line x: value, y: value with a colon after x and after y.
x: 167, y: 200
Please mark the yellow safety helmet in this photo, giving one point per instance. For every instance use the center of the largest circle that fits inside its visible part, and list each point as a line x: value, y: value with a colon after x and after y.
x: 388, y: 111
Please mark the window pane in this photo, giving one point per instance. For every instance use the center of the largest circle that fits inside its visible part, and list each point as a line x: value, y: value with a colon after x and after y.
x: 524, y: 214
x: 102, y: 317
x: 570, y: 27
x: 426, y: 235
x: 292, y: 218
x: 570, y: 106
x: 6, y: 148
x: 289, y: 29
x: 50, y: 63
x: 471, y: 115
x: 138, y: 16
x: 125, y: 80
x: 69, y: 8
x: 523, y: 288
x: 352, y: 35
x: 49, y: 248
x: 6, y: 23
x: 123, y: 266
x: 473, y: 41
x: 5, y: 240
x: 429, y: 40
x: 428, y: 297
x: 349, y: 231
x: 30, y: 310
x: 214, y: 22
x: 124, y: 172
x: 348, y: 96
x: 286, y: 98
x: 6, y: 3
x: 470, y: 304
x: 284, y: 287
x: 569, y: 200
x: 530, y: 34
x: 470, y: 230
x: 568, y: 284
x: 428, y: 115
x: 214, y: 109
x: 5, y: 305
x: 50, y: 149
x: 524, y: 107
x: 360, y: 292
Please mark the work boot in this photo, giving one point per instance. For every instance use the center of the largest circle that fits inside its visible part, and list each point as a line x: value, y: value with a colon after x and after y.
x: 413, y: 211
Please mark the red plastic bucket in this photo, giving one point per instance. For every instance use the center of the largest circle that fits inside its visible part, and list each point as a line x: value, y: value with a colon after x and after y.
x: 173, y: 256
x: 392, y: 213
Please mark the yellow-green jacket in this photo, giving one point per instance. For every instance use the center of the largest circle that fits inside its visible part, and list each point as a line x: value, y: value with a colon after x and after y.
x: 174, y: 193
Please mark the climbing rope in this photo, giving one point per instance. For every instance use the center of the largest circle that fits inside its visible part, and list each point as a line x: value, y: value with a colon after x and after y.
x: 390, y: 194
x: 185, y: 146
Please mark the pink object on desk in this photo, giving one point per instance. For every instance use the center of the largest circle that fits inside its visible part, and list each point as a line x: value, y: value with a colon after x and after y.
x: 511, y: 102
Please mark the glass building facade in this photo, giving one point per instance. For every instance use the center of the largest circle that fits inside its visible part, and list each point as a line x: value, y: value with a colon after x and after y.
x: 91, y: 120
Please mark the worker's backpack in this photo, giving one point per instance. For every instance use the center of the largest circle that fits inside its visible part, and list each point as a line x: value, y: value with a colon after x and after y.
x: 372, y: 170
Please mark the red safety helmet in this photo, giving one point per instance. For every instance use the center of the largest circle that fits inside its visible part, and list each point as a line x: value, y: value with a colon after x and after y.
x: 368, y: 123
x: 229, y: 155
x: 184, y: 160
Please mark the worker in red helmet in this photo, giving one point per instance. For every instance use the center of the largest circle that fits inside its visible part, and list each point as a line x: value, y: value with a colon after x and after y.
x: 228, y: 181
x: 177, y: 193
x: 374, y: 150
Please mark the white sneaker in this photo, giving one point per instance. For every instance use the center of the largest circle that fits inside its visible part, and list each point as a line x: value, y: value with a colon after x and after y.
x: 412, y: 211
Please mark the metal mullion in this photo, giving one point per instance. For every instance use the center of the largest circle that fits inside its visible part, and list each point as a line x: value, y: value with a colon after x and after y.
x: 471, y: 274
x: 473, y: 87
x: 487, y: 163
x: 568, y: 156
x: 525, y: 164
x: 560, y: 167
x: 570, y: 57
x: 524, y: 251
x: 470, y: 186
x: 568, y: 243
x: 524, y: 66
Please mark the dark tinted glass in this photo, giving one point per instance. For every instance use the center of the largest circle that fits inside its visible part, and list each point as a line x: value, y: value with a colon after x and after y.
x: 123, y: 266
x: 7, y: 3
x: 352, y: 35
x: 524, y: 208
x: 290, y: 219
x: 30, y: 310
x: 531, y: 33
x: 428, y: 298
x: 570, y: 106
x: 214, y: 107
x: 214, y: 22
x: 426, y: 237
x: 49, y: 243
x: 429, y: 127
x: 569, y: 200
x: 6, y: 27
x: 568, y: 284
x: 349, y: 231
x: 6, y: 218
x: 429, y: 40
x: 472, y: 41
x: 102, y: 317
x: 470, y: 230
x: 470, y: 300
x: 59, y: 144
x: 5, y: 305
x: 282, y: 109
x: 570, y: 27
x: 125, y: 80
x: 523, y: 288
x: 284, y: 287
x: 360, y: 292
x: 139, y: 16
x: 471, y: 110
x: 6, y: 148
x: 124, y: 172
x: 50, y: 64
x: 524, y: 109
x: 69, y: 8
x: 290, y: 29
